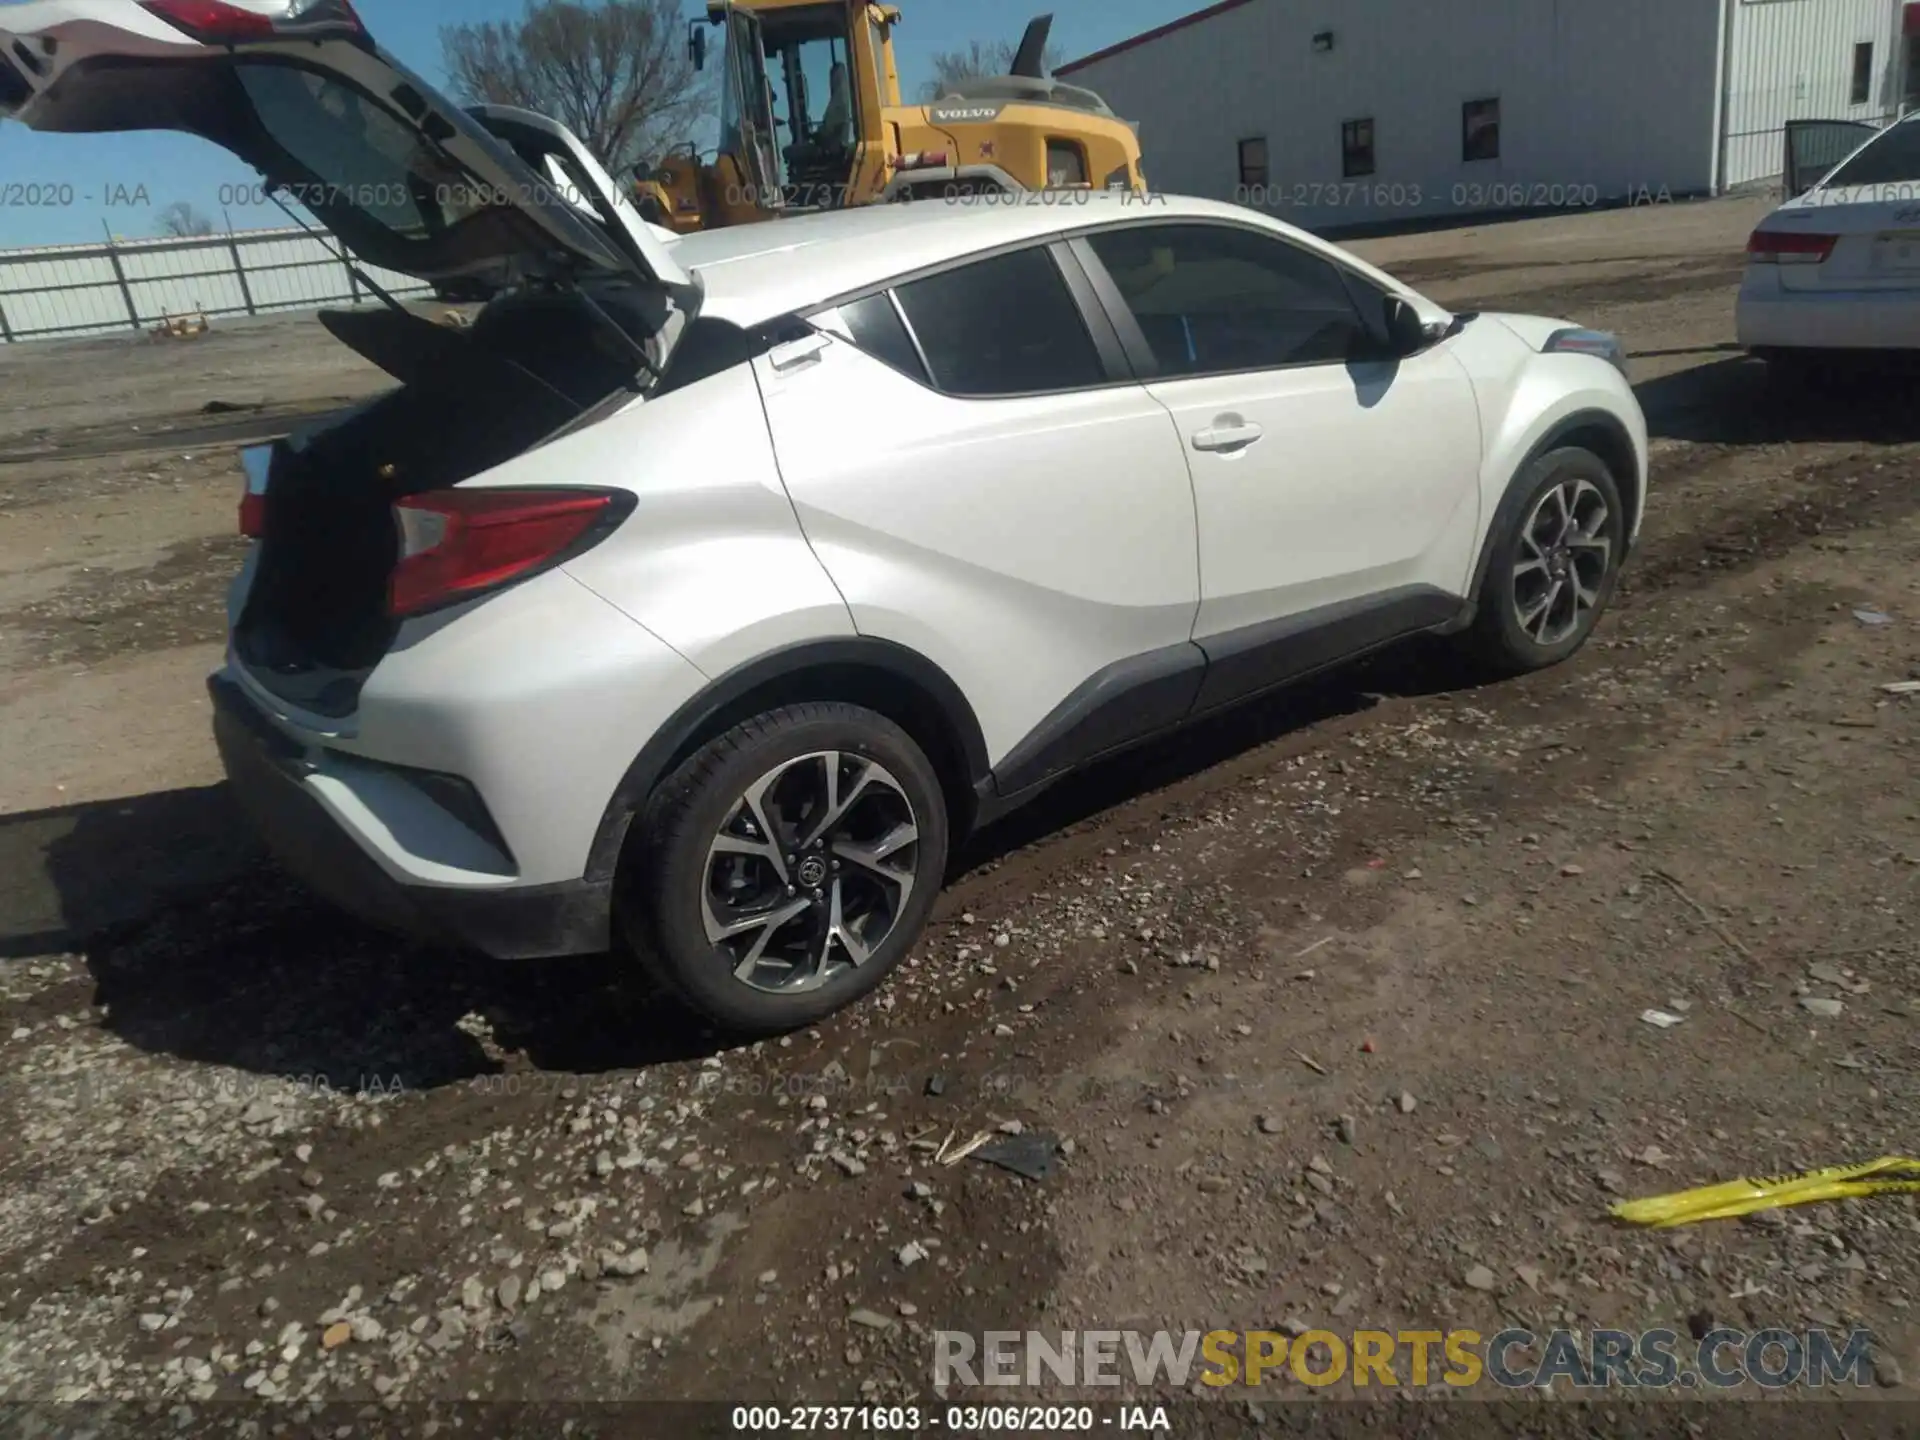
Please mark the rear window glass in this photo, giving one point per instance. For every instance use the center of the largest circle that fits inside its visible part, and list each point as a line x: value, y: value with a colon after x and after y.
x: 1004, y: 326
x: 1891, y: 159
x: 360, y: 154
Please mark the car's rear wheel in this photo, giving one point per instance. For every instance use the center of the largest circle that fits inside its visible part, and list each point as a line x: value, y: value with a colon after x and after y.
x: 1558, y: 543
x: 787, y: 866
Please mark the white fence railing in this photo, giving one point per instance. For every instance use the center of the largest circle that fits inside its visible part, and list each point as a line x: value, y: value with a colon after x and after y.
x: 135, y: 284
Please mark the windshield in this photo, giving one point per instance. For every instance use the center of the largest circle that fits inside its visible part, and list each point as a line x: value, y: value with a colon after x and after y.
x: 1890, y: 159
x: 361, y: 154
x: 814, y: 71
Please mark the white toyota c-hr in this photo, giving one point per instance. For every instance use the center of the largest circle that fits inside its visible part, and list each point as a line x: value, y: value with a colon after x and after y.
x: 703, y: 595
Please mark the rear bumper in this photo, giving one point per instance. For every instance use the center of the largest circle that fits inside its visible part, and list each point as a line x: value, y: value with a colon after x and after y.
x: 270, y: 775
x: 1775, y: 319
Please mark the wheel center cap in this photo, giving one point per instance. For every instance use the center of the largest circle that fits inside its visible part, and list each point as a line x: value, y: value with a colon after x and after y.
x: 813, y: 872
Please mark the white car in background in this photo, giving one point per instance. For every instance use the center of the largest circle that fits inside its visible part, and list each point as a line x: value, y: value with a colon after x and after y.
x: 1836, y: 269
x: 701, y: 598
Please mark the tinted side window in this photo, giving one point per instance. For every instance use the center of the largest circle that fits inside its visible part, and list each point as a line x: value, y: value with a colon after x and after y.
x: 1212, y: 299
x: 1005, y: 326
x: 874, y: 326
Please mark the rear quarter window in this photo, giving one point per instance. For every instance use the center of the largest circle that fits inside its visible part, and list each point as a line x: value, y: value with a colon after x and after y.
x: 873, y: 325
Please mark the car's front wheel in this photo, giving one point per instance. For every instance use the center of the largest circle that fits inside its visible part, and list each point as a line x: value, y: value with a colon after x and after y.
x: 787, y: 866
x: 1557, y: 548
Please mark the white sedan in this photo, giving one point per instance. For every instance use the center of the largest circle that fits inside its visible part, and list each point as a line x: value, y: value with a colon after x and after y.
x: 700, y: 598
x: 1836, y: 269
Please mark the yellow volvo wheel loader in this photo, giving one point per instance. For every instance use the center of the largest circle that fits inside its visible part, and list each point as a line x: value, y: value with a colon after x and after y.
x: 811, y: 119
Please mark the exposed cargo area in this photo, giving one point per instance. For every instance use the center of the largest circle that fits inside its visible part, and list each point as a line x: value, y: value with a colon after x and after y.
x: 470, y: 398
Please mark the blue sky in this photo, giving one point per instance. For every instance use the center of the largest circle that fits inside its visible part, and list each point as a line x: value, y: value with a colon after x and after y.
x: 121, y: 182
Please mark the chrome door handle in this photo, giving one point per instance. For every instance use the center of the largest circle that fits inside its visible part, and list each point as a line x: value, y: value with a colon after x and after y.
x: 1227, y: 437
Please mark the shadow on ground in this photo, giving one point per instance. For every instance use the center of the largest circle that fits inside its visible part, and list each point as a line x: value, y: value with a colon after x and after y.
x: 1736, y: 401
x: 71, y: 872
x: 201, y: 948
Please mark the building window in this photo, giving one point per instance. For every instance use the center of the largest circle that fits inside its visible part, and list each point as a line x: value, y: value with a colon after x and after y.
x: 1253, y: 162
x: 1480, y: 130
x: 1356, y: 148
x: 1862, y: 73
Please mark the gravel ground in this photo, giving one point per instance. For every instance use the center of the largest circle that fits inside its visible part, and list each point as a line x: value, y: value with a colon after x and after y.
x: 1333, y: 1009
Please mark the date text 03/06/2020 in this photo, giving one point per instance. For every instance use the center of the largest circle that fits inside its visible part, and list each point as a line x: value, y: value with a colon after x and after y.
x: 959, y: 1420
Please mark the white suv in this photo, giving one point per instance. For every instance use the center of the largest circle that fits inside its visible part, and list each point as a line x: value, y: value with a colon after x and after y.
x: 703, y: 595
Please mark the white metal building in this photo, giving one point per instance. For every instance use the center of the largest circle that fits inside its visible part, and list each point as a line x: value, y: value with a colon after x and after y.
x: 1352, y: 112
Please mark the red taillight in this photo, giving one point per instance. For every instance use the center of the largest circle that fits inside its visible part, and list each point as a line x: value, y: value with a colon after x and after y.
x: 221, y: 23
x: 1789, y: 247
x: 457, y: 543
x: 256, y: 464
x: 922, y: 160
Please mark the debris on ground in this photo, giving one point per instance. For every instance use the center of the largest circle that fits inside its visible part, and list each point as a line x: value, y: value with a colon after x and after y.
x: 955, y: 1154
x: 1030, y: 1155
x: 1662, y: 1019
x: 1889, y: 1176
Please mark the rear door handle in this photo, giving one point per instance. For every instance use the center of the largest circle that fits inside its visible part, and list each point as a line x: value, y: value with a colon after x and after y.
x: 1227, y: 437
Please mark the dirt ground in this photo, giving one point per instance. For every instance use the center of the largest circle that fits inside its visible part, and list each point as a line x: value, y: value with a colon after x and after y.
x: 1336, y: 1007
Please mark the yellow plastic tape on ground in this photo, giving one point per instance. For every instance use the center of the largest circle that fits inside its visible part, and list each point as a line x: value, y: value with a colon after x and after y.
x: 1889, y: 1176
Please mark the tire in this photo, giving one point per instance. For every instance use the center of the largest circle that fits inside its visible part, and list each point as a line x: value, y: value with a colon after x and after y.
x: 702, y: 860
x: 1505, y: 638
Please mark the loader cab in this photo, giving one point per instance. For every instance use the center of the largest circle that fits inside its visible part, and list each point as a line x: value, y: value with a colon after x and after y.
x: 802, y: 90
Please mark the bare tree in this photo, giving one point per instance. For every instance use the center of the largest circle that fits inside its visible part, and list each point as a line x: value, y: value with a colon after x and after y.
x: 180, y: 221
x: 615, y: 72
x: 953, y: 68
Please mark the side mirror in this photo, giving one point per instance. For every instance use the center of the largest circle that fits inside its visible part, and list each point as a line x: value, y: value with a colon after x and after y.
x: 697, y: 44
x: 1406, y: 332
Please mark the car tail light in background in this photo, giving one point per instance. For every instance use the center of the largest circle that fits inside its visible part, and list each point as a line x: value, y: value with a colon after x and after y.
x: 455, y: 544
x: 257, y: 462
x: 1789, y: 247
x: 220, y: 23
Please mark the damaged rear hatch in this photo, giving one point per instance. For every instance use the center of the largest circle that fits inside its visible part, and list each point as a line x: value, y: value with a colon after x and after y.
x: 492, y: 204
x: 403, y: 176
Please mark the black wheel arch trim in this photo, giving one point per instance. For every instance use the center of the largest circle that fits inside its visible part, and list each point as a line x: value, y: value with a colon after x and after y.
x: 1112, y: 709
x: 1633, y: 489
x: 1144, y: 697
x: 665, y: 747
